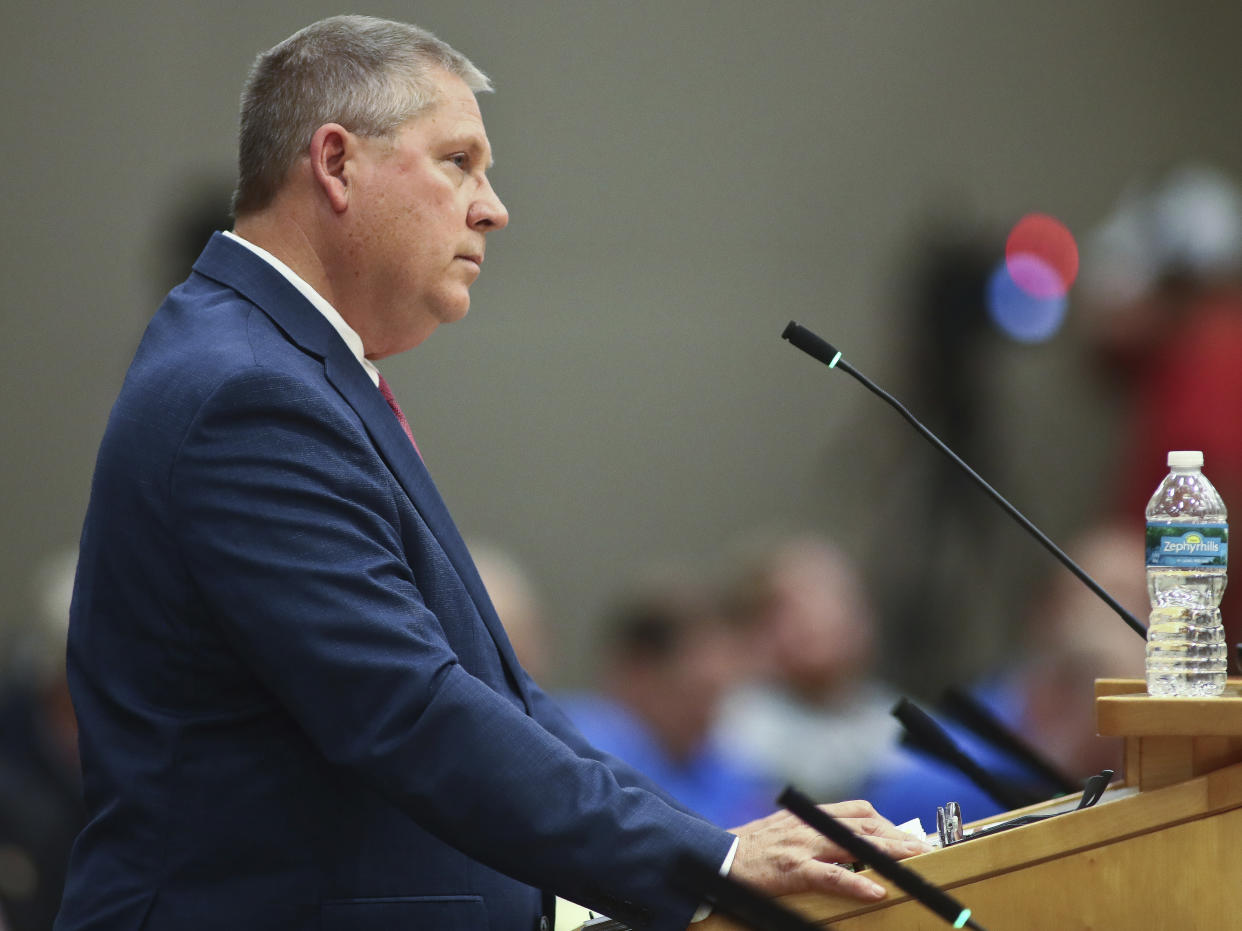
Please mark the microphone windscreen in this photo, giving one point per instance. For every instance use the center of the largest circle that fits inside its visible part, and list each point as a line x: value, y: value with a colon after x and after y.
x: 812, y: 344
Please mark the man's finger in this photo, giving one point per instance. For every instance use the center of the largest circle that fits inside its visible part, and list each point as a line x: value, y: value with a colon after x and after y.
x: 899, y: 848
x: 855, y: 808
x: 884, y: 835
x: 830, y: 877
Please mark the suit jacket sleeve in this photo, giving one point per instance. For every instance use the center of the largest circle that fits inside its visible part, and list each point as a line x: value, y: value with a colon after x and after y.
x: 325, y: 582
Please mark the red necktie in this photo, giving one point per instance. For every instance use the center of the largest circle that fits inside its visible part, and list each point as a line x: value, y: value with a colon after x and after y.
x: 396, y: 409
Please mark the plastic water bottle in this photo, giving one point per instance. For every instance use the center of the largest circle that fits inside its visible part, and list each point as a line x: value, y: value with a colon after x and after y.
x: 1187, y: 554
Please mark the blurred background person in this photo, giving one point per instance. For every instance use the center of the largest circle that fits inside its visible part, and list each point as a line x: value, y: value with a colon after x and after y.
x: 1162, y: 285
x: 813, y: 713
x: 41, y: 806
x: 518, y: 605
x: 668, y: 657
x: 1045, y: 696
x: 1074, y: 638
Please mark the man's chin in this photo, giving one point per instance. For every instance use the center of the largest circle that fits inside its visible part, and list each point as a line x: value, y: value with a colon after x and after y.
x: 451, y: 313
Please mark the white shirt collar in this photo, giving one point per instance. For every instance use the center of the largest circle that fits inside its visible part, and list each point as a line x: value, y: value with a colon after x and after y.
x: 351, y: 338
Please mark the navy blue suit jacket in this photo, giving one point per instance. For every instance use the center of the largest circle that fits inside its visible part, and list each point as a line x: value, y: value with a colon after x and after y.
x: 298, y: 709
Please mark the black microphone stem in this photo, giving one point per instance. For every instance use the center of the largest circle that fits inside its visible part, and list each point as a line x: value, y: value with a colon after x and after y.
x: 975, y: 715
x: 932, y: 738
x: 737, y: 900
x: 815, y: 346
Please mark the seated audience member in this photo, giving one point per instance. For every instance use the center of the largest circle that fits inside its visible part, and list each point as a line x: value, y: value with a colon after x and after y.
x: 813, y: 715
x: 517, y: 604
x: 669, y: 658
x: 1047, y: 697
x: 1163, y: 270
x: 41, y: 807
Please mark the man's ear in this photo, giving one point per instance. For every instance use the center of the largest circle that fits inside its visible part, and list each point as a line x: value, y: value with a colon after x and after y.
x: 331, y: 149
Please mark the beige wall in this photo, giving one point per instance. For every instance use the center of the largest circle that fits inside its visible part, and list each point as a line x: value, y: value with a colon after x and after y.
x: 684, y: 177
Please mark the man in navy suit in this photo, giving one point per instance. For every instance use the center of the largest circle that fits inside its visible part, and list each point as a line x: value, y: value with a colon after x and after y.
x: 297, y: 706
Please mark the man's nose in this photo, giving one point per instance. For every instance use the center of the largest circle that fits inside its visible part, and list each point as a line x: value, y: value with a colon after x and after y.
x: 488, y: 212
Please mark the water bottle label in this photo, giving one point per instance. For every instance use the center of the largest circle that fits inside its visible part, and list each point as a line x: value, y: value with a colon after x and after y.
x: 1179, y: 546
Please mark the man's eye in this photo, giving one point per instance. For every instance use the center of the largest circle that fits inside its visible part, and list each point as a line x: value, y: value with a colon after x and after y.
x: 460, y: 159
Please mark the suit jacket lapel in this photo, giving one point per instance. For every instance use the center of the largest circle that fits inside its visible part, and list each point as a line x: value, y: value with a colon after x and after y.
x: 235, y: 266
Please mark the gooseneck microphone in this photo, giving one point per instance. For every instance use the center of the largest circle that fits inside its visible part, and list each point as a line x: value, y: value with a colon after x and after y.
x: 926, y: 734
x: 825, y: 352
x: 975, y: 715
x: 932, y: 897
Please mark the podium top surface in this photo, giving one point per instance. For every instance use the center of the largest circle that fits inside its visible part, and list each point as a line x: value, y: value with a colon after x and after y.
x: 1124, y: 709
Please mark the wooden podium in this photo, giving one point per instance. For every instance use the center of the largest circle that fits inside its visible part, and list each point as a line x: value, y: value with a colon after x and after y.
x: 1162, y: 849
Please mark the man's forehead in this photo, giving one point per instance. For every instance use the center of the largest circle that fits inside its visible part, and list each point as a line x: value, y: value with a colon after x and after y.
x: 454, y: 97
x: 454, y: 120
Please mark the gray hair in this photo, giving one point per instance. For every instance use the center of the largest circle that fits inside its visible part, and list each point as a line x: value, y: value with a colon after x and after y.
x: 370, y: 75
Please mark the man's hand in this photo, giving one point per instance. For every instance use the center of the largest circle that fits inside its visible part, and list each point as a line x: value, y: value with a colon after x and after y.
x: 780, y: 854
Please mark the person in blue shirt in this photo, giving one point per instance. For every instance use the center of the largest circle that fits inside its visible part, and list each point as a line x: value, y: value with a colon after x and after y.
x: 669, y: 657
